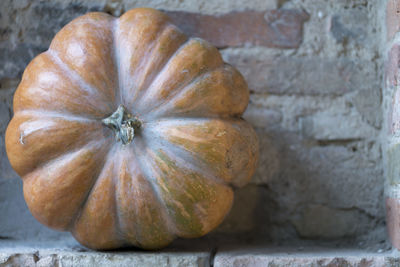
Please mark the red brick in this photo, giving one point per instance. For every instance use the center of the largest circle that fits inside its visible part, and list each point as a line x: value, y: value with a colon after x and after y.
x: 392, y: 18
x: 273, y: 28
x: 393, y: 220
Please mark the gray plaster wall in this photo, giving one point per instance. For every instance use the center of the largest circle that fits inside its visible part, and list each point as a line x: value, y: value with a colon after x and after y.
x: 316, y: 109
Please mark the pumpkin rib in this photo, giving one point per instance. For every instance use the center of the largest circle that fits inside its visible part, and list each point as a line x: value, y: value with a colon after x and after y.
x: 54, y: 114
x: 163, y: 105
x: 146, y: 79
x: 187, y: 159
x: 179, y: 91
x: 44, y: 86
x: 155, y: 50
x: 141, y: 222
x: 113, y: 232
x: 84, y: 202
x: 168, y: 103
x: 148, y: 171
x: 186, y: 207
x: 117, y: 59
x: 148, y: 148
x: 181, y: 153
x: 133, y: 88
x: 143, y: 22
x: 223, y: 102
x: 162, y: 69
x: 155, y: 122
x: 77, y: 78
x: 85, y: 199
x: 120, y: 167
x: 118, y: 228
x: 70, y: 179
x: 30, y: 139
x: 224, y: 148
x: 167, y: 84
x: 85, y: 46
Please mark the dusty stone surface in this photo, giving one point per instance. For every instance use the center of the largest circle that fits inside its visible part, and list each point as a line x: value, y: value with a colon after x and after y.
x: 67, y: 252
x: 105, y: 259
x: 317, y: 110
x: 303, y: 256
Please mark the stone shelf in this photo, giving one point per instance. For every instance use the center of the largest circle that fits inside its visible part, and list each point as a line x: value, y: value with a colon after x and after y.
x: 67, y: 252
x: 304, y: 256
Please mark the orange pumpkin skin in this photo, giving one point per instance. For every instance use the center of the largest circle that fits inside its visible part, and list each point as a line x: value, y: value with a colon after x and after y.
x: 173, y: 179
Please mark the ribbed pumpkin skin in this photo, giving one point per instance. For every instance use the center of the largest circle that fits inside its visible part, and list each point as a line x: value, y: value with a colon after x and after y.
x: 173, y: 180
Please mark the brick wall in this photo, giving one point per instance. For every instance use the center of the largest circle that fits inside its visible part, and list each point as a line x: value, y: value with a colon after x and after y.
x: 392, y: 106
x: 314, y: 69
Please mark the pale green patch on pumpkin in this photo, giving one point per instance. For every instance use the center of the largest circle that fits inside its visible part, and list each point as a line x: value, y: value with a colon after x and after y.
x: 212, y: 149
x: 183, y: 189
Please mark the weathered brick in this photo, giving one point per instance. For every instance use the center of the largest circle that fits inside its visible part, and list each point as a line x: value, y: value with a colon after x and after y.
x: 319, y: 221
x: 392, y: 66
x: 392, y: 18
x: 262, y: 117
x: 394, y: 114
x: 368, y: 103
x: 393, y: 220
x: 349, y: 26
x: 393, y: 166
x: 305, y: 76
x: 273, y: 28
x: 327, y: 125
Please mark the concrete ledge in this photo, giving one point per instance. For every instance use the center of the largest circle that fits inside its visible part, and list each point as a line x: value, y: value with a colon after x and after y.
x: 188, y: 253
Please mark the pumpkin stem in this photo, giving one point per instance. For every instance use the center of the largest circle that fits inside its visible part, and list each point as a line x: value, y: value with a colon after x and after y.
x: 124, y: 124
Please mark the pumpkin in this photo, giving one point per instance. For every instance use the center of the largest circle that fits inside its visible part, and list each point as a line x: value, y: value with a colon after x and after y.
x: 128, y: 133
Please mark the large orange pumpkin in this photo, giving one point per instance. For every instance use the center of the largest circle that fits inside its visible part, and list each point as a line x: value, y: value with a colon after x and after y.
x: 126, y: 132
